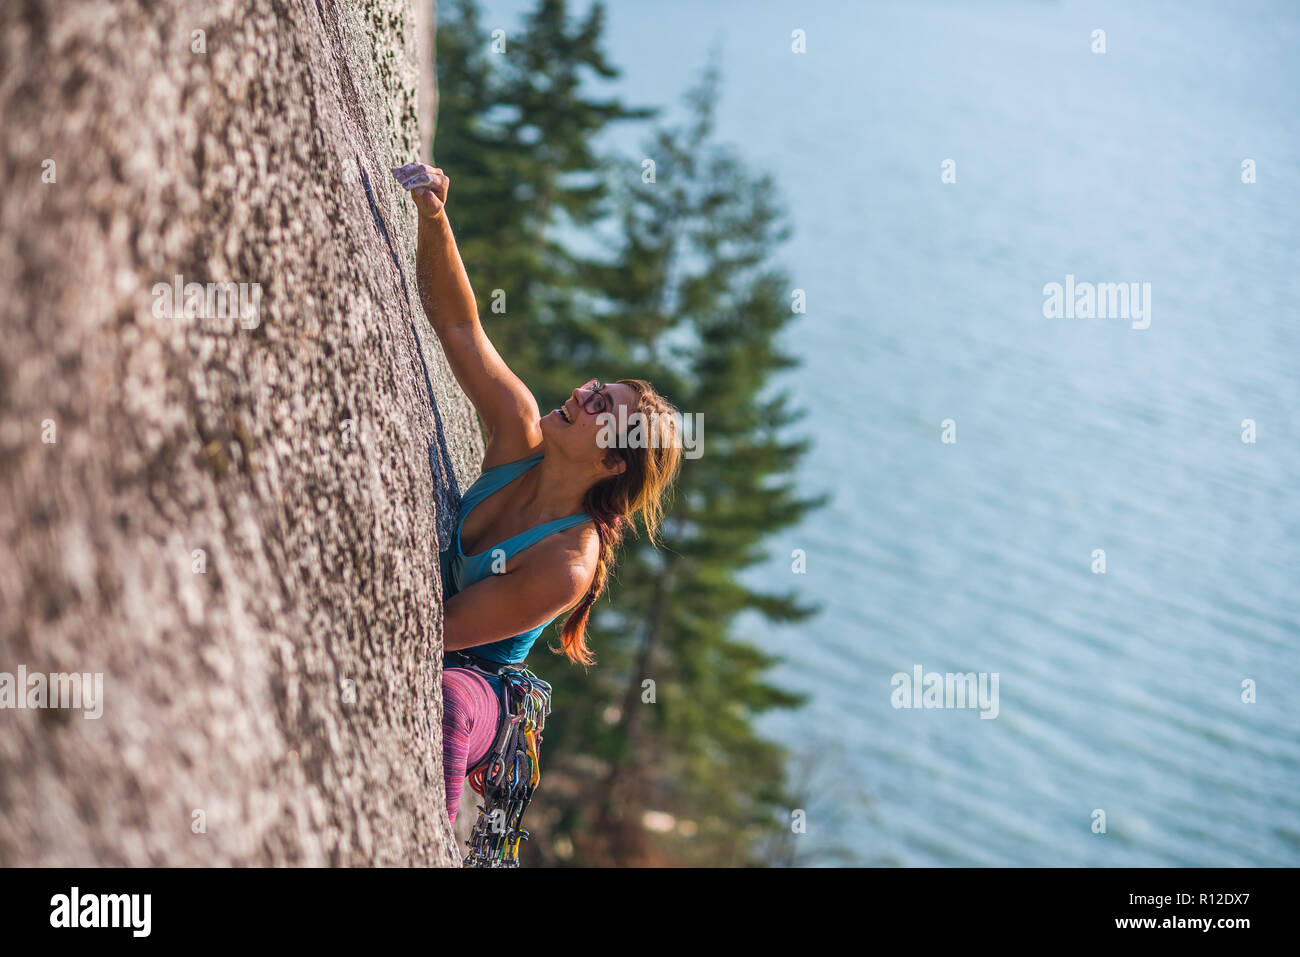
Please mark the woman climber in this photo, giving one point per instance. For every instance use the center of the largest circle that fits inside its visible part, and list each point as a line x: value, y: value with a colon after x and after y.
x: 538, y: 530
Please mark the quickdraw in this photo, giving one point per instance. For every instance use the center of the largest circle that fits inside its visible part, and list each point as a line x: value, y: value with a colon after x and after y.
x: 508, y: 777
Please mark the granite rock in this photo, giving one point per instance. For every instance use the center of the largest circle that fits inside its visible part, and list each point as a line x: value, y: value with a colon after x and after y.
x: 232, y: 514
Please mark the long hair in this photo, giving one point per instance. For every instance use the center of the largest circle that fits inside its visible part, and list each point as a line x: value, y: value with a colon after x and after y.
x: 614, y: 502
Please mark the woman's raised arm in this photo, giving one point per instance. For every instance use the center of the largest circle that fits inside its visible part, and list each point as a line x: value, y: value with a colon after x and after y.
x: 506, y: 406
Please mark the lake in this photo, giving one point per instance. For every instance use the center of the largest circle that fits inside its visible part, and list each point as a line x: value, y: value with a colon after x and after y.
x: 1119, y: 691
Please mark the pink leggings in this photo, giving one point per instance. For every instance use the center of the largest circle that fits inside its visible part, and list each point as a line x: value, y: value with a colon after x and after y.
x: 471, y: 712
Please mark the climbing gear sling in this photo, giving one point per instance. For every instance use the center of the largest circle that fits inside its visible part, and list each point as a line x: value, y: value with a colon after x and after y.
x: 507, y: 778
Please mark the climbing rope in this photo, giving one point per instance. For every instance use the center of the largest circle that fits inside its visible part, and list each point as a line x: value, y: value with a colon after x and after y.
x: 508, y: 777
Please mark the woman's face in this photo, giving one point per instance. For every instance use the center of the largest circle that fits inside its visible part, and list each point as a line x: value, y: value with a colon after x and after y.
x: 576, y: 425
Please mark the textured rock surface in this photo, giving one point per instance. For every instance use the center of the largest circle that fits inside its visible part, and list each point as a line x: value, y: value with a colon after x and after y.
x: 236, y: 516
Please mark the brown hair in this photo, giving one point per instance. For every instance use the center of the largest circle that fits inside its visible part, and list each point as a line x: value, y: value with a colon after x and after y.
x: 613, y: 503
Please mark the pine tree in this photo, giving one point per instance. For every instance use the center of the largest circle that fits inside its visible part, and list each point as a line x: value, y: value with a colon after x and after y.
x: 691, y: 303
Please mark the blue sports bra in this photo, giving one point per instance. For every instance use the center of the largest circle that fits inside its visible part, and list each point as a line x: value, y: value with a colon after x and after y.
x: 459, y: 570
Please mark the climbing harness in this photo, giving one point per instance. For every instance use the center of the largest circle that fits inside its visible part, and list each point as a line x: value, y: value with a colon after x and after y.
x: 507, y: 778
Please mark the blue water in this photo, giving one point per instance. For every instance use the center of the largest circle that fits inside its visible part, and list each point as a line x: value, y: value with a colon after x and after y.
x: 1119, y: 691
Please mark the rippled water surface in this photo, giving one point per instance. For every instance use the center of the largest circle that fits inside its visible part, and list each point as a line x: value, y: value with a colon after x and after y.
x: 1119, y: 691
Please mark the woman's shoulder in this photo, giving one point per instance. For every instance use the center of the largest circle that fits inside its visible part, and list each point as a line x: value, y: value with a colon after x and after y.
x: 578, y: 545
x: 568, y: 558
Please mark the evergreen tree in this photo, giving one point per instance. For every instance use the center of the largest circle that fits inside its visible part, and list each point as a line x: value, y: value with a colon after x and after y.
x: 690, y: 303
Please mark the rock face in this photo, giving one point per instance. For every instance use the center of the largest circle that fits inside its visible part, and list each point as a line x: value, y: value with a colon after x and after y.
x: 233, y: 515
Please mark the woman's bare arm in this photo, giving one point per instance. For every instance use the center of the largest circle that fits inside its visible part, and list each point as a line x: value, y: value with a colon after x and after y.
x: 555, y: 576
x: 505, y: 404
